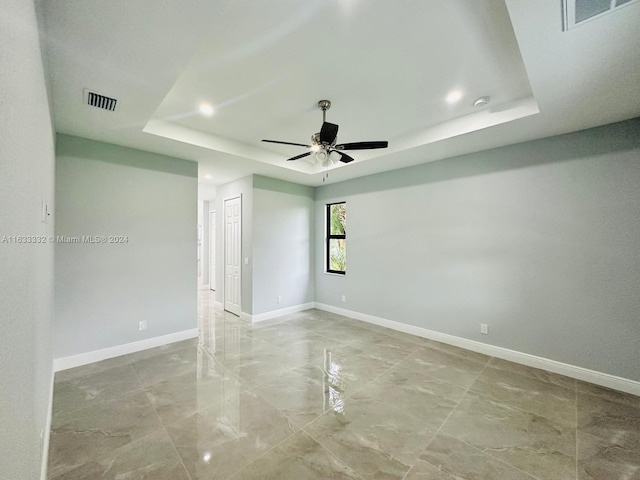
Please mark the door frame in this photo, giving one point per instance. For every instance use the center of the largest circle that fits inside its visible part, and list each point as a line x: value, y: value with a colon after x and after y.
x: 224, y: 250
x: 212, y: 249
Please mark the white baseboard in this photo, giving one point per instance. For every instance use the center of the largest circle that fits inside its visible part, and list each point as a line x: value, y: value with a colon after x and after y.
x: 72, y: 361
x: 261, y: 317
x: 47, y: 432
x: 591, y: 376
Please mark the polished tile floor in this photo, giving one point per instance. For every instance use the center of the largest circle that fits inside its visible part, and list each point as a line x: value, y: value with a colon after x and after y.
x: 314, y: 395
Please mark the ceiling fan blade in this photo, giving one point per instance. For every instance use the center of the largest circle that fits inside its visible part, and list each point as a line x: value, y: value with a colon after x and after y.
x: 344, y: 158
x: 288, y: 143
x: 328, y: 133
x: 361, y: 145
x: 306, y: 154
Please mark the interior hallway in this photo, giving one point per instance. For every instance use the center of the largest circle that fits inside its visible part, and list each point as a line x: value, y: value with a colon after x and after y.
x: 314, y: 395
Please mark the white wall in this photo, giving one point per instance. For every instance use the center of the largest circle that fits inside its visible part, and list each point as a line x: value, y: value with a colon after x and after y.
x: 283, y: 244
x: 104, y: 290
x: 539, y: 240
x: 26, y: 282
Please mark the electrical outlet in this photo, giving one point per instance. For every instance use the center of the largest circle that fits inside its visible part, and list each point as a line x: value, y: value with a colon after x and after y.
x: 344, y: 298
x: 484, y: 328
x: 142, y: 325
x: 279, y: 299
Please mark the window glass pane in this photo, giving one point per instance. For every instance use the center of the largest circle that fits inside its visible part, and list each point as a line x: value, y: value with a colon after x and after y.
x: 337, y: 254
x: 586, y: 9
x: 338, y: 219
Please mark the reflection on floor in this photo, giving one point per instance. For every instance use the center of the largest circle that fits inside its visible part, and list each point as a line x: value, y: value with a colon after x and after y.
x: 314, y: 395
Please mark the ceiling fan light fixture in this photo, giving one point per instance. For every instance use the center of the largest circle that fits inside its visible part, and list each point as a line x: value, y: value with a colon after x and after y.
x: 321, y: 155
x: 315, y: 148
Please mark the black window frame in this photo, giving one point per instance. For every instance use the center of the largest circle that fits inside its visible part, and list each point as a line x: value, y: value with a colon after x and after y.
x: 329, y: 237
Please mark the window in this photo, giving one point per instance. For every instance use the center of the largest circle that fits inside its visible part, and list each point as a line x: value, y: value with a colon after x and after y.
x: 336, y: 250
x: 578, y: 11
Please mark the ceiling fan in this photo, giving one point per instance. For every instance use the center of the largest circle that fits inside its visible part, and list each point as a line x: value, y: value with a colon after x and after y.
x: 324, y: 142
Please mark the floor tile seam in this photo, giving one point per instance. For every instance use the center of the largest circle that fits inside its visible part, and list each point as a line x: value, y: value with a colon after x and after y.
x: 531, y: 377
x: 147, y: 395
x: 225, y: 369
x: 517, y: 407
x: 371, y: 381
x: 484, y: 363
x: 483, y: 452
x: 132, y: 362
x: 406, y: 363
x: 164, y: 428
x: 99, y: 402
x: 96, y: 403
x: 335, y: 456
x: 462, y: 397
x: 324, y: 337
x: 447, y: 418
x: 365, y: 356
x: 126, y: 364
x: 359, y: 390
x: 107, y: 455
x: 416, y: 343
x: 331, y: 452
x: 145, y: 387
x: 534, y: 377
x: 367, y: 344
x: 500, y: 460
x: 609, y: 400
x: 419, y: 457
x: 230, y: 477
x: 521, y: 409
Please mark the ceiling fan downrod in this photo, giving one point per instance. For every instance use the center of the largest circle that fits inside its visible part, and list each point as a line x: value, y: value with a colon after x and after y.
x: 324, y: 105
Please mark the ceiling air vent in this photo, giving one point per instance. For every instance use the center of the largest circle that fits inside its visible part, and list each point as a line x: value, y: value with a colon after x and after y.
x: 99, y: 101
x: 578, y: 11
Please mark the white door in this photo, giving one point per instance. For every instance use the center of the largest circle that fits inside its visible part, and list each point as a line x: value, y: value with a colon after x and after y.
x: 212, y: 250
x: 232, y: 254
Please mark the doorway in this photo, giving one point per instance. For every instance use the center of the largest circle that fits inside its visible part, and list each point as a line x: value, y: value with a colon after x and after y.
x: 212, y: 250
x: 232, y: 253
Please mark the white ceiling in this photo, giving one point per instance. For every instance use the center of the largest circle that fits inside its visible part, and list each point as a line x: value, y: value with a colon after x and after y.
x: 386, y: 66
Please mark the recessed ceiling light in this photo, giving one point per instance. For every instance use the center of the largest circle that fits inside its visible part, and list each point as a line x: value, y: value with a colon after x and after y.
x: 454, y: 96
x: 206, y: 109
x: 208, y: 177
x: 481, y: 101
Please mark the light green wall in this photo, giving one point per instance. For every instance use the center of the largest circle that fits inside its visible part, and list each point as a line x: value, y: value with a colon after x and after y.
x: 104, y: 290
x: 283, y: 244
x: 539, y: 240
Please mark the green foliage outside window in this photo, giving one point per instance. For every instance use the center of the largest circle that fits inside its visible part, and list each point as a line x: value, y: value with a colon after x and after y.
x: 336, y: 237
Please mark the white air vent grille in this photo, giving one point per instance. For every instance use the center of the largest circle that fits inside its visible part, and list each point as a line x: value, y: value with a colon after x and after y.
x: 99, y: 101
x: 578, y: 11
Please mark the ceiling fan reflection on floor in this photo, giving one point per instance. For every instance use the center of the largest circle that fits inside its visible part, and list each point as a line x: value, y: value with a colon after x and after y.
x: 324, y: 143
